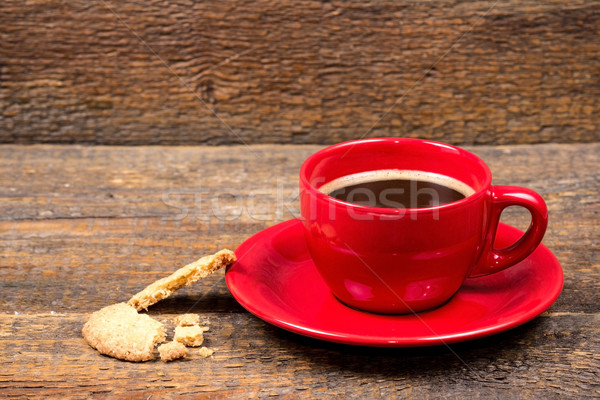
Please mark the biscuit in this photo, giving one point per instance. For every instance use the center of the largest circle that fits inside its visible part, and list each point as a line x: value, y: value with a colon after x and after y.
x: 119, y: 331
x: 187, y: 320
x: 189, y: 335
x: 185, y: 276
x: 172, y: 351
x: 205, y: 352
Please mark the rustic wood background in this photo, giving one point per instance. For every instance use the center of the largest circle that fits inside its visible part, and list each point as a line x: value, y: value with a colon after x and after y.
x: 266, y: 71
x: 82, y: 227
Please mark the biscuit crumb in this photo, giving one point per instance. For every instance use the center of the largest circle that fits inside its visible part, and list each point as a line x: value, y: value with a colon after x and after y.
x: 119, y: 331
x: 172, y: 351
x: 189, y: 335
x: 187, y: 320
x: 206, y: 352
x: 185, y: 276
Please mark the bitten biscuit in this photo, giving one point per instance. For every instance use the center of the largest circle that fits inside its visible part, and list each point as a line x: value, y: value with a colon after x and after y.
x: 189, y: 335
x: 119, y: 331
x: 172, y: 351
x: 187, y: 320
x: 182, y: 277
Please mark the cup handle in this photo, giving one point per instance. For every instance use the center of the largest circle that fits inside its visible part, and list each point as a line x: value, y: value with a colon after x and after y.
x: 494, y: 260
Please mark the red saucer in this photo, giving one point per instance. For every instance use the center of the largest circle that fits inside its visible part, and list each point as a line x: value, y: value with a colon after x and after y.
x: 276, y: 280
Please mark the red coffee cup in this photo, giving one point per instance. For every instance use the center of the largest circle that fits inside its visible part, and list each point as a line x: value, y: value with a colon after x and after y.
x: 407, y: 260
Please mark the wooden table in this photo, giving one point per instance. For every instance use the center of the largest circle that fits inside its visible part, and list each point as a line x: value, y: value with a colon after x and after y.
x: 84, y: 227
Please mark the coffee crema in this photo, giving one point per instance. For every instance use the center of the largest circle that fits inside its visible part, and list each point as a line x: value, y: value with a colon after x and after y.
x: 392, y: 188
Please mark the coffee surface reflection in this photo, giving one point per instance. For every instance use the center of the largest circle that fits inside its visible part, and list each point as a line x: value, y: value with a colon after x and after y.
x: 397, y: 189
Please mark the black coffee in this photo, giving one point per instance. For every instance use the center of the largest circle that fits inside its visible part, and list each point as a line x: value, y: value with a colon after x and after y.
x: 395, y: 193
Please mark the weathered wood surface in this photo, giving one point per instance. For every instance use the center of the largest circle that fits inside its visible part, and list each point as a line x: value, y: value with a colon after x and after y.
x: 83, y: 227
x: 516, y: 71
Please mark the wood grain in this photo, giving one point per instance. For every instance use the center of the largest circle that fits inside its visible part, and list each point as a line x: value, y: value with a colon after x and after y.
x: 551, y: 356
x: 83, y: 227
x: 232, y: 72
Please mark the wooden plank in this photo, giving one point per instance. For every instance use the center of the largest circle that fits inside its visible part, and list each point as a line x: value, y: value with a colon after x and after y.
x: 84, y: 270
x: 182, y: 72
x: 180, y: 183
x: 551, y: 356
x: 66, y: 245
x: 83, y: 227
